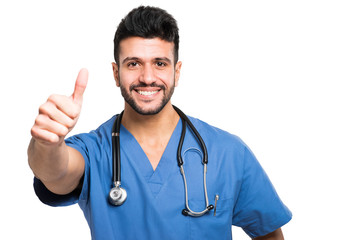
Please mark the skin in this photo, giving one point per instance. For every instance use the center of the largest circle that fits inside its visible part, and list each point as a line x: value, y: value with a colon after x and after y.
x: 276, y: 235
x: 146, y: 63
x: 59, y: 167
x: 146, y: 74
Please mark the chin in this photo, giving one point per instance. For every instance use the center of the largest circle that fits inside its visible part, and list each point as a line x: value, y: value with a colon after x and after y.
x: 147, y: 110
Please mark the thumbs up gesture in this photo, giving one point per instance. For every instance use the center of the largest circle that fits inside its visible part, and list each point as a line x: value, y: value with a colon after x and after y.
x: 59, y: 114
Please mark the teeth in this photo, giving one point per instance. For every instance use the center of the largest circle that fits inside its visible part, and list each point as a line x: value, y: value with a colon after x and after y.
x: 147, y: 93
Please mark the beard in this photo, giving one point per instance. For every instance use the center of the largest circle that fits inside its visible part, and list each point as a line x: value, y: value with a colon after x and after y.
x: 129, y: 99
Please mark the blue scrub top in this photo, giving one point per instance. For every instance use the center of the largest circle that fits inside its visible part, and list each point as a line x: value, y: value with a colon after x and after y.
x: 153, y: 209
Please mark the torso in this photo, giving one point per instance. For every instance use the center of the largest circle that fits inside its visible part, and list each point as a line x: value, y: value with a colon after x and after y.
x: 156, y: 198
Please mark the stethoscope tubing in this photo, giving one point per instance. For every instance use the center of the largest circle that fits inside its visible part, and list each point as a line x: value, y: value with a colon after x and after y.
x: 116, y: 153
x: 118, y: 195
x: 186, y: 121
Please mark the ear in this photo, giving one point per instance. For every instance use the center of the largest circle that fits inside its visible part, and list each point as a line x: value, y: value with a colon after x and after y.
x: 116, y: 73
x: 177, y: 72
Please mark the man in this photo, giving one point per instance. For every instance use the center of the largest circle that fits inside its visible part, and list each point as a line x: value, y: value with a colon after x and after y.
x: 79, y: 169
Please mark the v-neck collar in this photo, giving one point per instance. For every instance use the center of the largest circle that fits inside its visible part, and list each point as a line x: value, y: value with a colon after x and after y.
x: 168, y: 161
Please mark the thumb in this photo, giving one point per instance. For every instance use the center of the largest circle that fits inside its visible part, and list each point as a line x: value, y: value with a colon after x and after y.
x: 80, y: 85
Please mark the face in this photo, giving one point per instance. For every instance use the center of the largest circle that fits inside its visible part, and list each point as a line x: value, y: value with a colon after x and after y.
x: 146, y: 73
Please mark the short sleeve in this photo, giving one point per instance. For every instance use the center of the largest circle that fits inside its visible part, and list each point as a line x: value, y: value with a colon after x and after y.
x: 258, y: 210
x: 55, y: 200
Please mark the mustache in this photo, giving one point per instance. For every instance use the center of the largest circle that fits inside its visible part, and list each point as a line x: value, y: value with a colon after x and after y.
x: 131, y: 88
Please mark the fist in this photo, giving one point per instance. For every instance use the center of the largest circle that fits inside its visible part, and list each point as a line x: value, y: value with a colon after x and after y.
x: 59, y: 114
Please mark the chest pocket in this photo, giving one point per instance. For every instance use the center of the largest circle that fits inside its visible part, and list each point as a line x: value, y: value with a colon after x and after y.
x: 207, y: 226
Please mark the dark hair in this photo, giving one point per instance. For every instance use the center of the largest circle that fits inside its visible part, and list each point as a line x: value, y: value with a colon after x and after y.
x: 147, y: 22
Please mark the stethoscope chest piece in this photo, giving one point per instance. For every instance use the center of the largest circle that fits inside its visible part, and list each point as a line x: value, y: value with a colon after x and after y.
x: 117, y: 196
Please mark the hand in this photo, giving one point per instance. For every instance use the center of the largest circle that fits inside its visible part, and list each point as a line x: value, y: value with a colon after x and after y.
x: 59, y: 114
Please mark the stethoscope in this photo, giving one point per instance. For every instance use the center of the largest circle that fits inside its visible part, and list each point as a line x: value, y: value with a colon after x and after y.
x: 118, y: 195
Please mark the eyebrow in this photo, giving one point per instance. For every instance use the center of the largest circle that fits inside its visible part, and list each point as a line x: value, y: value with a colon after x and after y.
x: 163, y: 59
x: 129, y: 59
x: 155, y: 59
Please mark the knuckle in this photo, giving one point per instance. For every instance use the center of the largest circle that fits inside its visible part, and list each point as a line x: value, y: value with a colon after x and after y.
x: 43, y: 108
x: 40, y: 120
x: 53, y: 139
x: 56, y: 99
x: 34, y: 132
x: 69, y: 124
x: 75, y: 111
x: 64, y: 131
x: 39, y: 135
x: 47, y: 107
x: 52, y: 98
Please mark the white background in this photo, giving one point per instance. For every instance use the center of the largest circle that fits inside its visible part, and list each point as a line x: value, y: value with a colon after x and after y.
x: 267, y: 71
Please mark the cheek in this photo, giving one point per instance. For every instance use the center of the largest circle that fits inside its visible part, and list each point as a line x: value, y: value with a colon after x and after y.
x: 127, y: 78
x: 167, y: 77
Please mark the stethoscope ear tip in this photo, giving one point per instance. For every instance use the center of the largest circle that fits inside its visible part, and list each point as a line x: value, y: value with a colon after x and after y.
x: 186, y: 212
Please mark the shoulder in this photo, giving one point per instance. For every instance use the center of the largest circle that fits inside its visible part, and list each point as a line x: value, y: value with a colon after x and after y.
x: 105, y: 127
x: 220, y: 137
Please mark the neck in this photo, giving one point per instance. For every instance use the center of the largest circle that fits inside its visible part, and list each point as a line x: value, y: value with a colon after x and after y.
x: 156, y: 125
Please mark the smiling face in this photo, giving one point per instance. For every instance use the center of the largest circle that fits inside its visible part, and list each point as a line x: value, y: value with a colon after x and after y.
x: 146, y: 73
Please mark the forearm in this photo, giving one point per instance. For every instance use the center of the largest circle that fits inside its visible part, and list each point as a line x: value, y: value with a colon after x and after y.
x: 276, y: 235
x: 49, y: 163
x: 60, y: 168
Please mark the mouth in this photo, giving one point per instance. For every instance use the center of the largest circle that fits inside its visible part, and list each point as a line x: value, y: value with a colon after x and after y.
x: 147, y: 93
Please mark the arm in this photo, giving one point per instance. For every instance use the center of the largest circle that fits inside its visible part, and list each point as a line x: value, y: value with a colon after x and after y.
x: 58, y: 166
x: 276, y: 235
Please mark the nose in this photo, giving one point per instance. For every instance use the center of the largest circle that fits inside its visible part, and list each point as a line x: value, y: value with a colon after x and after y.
x: 147, y: 75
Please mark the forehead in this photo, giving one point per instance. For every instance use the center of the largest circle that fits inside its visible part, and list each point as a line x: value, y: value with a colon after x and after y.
x: 146, y: 48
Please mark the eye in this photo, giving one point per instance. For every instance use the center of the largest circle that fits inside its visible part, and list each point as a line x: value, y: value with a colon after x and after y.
x: 132, y: 64
x: 161, y: 64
